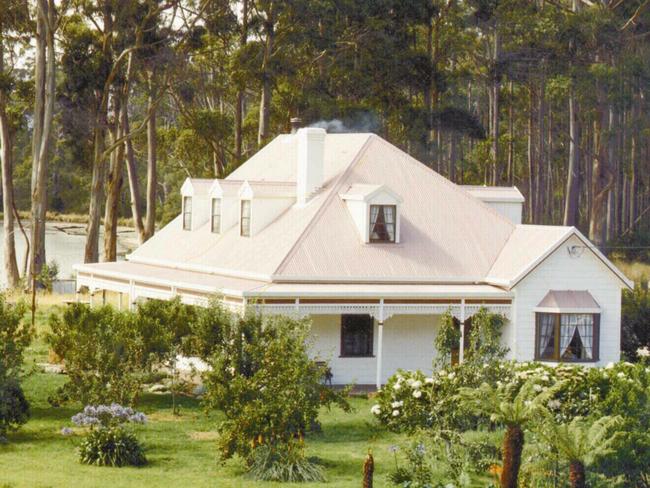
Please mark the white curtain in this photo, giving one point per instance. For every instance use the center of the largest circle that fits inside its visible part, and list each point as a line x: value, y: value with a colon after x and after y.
x: 585, y: 325
x: 568, y: 326
x: 546, y: 339
x: 374, y: 213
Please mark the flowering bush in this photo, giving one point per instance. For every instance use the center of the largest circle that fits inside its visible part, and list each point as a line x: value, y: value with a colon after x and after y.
x: 412, y: 400
x: 107, y: 442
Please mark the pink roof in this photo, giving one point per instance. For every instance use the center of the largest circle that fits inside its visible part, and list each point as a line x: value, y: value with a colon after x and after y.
x: 568, y: 301
x: 447, y: 236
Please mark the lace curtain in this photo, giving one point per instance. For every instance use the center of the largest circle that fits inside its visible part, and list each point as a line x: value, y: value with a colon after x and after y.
x: 583, y: 326
x: 546, y: 335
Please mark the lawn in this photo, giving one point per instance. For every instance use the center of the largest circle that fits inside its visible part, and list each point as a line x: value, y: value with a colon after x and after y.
x: 181, y: 449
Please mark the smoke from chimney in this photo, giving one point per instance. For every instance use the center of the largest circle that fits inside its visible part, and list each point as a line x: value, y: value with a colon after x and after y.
x: 362, y: 122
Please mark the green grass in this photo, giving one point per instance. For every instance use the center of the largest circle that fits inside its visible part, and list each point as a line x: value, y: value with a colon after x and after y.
x: 181, y: 449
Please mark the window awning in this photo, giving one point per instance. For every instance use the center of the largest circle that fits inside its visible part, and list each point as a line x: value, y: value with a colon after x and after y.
x: 568, y: 301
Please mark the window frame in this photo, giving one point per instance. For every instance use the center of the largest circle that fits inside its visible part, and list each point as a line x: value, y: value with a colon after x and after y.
x: 186, y: 225
x: 595, y: 347
x: 212, y: 215
x: 394, y: 224
x: 370, y: 340
x: 248, y: 218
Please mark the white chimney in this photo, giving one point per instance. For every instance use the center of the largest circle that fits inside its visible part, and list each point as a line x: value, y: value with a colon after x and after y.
x: 311, y: 149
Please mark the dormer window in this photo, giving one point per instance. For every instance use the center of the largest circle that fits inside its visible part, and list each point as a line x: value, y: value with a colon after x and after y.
x: 215, y: 225
x: 245, y: 218
x: 187, y: 213
x: 382, y: 223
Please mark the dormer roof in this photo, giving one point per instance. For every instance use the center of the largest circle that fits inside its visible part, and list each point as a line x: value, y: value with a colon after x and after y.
x: 196, y: 187
x: 267, y: 189
x: 366, y: 192
x: 225, y: 188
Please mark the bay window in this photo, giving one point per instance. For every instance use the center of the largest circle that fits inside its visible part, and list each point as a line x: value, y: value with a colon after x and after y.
x: 567, y: 337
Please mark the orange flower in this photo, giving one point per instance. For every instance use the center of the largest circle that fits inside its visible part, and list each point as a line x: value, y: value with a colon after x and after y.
x: 495, y: 469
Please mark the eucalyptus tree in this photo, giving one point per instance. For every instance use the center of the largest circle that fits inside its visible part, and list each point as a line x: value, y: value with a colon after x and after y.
x: 14, y: 24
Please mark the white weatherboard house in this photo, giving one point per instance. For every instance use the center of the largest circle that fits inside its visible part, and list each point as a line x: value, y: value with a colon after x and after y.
x: 374, y: 246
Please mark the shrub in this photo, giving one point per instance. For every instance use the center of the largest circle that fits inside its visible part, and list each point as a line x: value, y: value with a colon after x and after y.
x: 103, y: 352
x: 263, y: 380
x: 635, y: 317
x: 14, y: 408
x: 285, y: 463
x: 107, y: 442
x: 15, y: 337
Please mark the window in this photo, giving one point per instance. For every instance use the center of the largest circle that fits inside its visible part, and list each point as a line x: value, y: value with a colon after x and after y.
x: 245, y: 218
x: 187, y: 213
x: 382, y: 223
x: 356, y: 335
x: 567, y: 337
x: 216, y: 216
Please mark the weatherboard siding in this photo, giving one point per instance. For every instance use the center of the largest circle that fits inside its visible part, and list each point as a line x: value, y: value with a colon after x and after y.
x: 561, y: 271
x: 407, y: 344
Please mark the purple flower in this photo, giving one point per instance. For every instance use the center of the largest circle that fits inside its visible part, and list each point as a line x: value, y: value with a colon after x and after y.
x: 67, y: 431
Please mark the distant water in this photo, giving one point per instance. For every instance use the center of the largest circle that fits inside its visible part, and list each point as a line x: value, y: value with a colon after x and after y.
x: 64, y: 243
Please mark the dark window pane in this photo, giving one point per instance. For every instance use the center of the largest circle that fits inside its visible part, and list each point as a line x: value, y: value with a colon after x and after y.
x: 546, y: 336
x: 356, y: 335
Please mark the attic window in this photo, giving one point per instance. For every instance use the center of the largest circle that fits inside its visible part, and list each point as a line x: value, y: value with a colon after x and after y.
x: 382, y: 223
x: 215, y: 225
x: 245, y: 218
x: 187, y: 213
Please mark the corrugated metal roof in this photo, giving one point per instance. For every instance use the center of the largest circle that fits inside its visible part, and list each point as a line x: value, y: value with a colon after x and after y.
x: 526, y: 244
x: 446, y: 234
x: 568, y: 301
x: 495, y: 193
x: 166, y: 276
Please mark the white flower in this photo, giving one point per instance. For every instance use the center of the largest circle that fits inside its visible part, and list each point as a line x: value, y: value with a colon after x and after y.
x: 375, y: 410
x: 545, y: 378
x: 396, y: 404
x: 621, y: 375
x: 643, y: 352
x: 428, y: 381
x: 395, y: 413
x: 442, y: 372
x: 609, y: 365
x: 452, y: 375
x: 417, y: 394
x: 537, y: 388
x: 397, y: 386
x: 416, y: 384
x: 554, y: 404
x: 410, y: 381
x: 231, y: 370
x: 528, y: 403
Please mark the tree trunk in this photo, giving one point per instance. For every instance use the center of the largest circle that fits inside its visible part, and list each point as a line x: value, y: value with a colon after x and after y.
x: 532, y: 198
x: 10, y: 262
x: 265, y: 101
x: 152, y: 178
x: 511, y: 138
x: 600, y: 178
x: 91, y: 253
x: 45, y: 72
x: 577, y: 476
x: 131, y: 167
x: 239, y: 100
x: 114, y: 189
x: 494, y: 125
x: 513, y: 445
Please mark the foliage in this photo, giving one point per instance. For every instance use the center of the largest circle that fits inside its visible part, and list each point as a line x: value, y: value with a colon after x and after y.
x: 49, y: 273
x: 285, y: 463
x: 15, y: 337
x: 485, y: 338
x: 14, y: 408
x: 108, y: 443
x: 103, y: 353
x: 635, y: 317
x: 263, y: 380
x: 111, y: 447
x: 447, y: 339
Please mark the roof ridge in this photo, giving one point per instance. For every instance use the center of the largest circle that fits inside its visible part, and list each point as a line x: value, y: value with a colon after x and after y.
x: 449, y: 183
x: 336, y: 185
